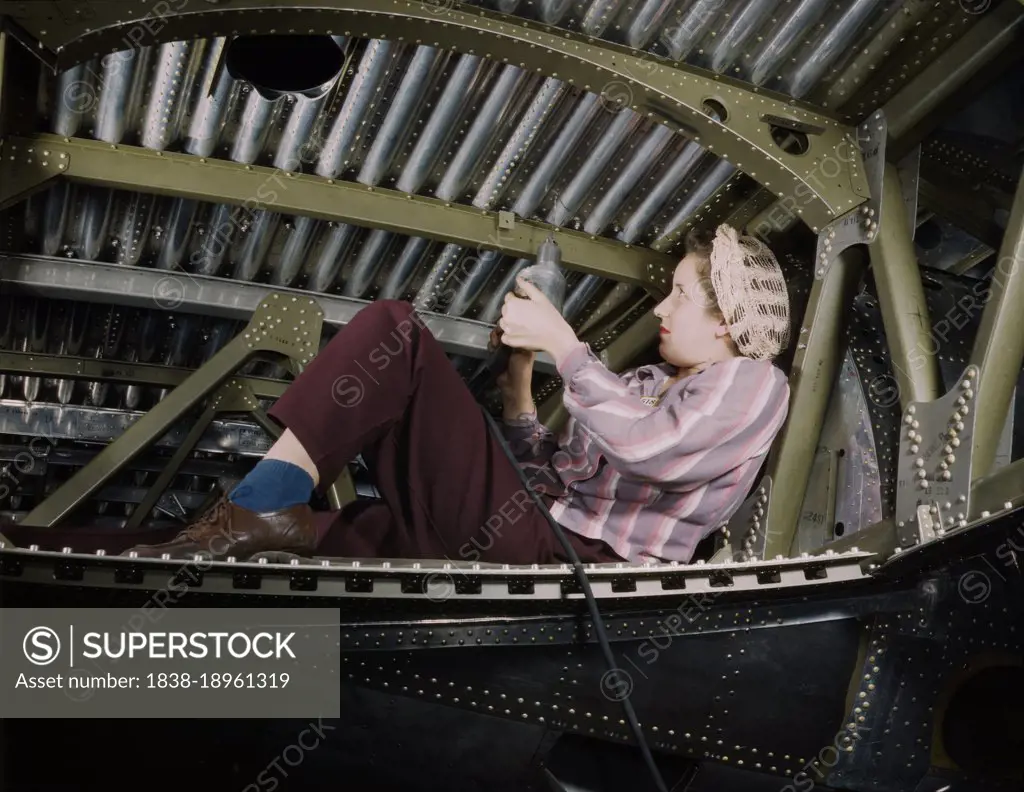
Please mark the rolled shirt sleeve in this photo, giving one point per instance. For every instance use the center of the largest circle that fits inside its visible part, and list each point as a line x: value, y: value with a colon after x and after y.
x: 723, y: 416
x: 530, y: 442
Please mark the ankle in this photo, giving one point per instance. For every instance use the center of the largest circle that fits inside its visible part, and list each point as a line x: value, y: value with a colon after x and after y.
x: 272, y: 485
x: 288, y: 449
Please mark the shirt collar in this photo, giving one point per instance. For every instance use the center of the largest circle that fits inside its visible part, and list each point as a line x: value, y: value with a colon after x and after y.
x: 655, y: 371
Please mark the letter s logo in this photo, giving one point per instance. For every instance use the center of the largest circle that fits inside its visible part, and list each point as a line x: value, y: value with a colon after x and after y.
x: 41, y: 646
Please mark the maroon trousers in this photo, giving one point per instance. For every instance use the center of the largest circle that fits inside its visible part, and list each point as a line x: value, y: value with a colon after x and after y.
x: 383, y: 387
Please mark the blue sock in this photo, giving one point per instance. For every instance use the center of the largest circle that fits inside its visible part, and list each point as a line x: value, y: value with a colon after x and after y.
x: 273, y: 484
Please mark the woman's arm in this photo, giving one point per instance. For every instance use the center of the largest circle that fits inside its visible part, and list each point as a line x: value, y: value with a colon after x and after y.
x: 529, y: 441
x: 724, y: 416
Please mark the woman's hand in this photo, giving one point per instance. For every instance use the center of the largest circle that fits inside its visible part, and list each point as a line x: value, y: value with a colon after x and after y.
x: 533, y: 323
x: 516, y: 380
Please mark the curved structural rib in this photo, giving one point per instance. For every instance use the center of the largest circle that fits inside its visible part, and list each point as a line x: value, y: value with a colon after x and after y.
x: 29, y: 163
x: 825, y: 181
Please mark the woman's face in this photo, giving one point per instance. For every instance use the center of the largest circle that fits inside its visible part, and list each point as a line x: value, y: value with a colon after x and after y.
x: 691, y: 334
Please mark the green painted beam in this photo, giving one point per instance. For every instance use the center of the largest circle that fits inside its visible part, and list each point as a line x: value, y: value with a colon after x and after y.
x: 89, y: 369
x: 908, y: 327
x: 953, y: 78
x: 30, y: 162
x: 825, y: 180
x: 816, y: 363
x: 999, y: 344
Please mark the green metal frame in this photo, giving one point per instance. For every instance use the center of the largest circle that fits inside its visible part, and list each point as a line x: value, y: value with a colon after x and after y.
x: 30, y: 163
x: 918, y: 108
x: 676, y: 95
x: 998, y: 492
x: 237, y: 394
x: 984, y: 51
x: 998, y: 354
x: 815, y: 366
x: 901, y: 297
x: 281, y: 324
x: 92, y: 369
x: 999, y: 345
x: 33, y: 171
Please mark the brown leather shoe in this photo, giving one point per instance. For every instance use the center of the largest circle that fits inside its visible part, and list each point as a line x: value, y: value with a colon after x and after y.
x: 229, y: 530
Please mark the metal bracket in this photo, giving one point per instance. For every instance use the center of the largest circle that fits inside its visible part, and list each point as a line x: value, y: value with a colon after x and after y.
x: 506, y: 220
x: 234, y: 396
x: 859, y: 226
x: 745, y: 534
x: 289, y: 325
x: 26, y: 170
x: 934, y: 466
x: 929, y: 524
x: 286, y: 324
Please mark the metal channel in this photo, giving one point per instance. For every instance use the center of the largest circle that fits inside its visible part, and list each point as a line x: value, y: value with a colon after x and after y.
x: 421, y: 580
x: 217, y: 297
x: 67, y: 367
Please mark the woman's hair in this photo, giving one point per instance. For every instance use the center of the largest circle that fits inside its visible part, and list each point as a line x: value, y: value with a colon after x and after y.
x: 699, y: 242
x: 744, y: 287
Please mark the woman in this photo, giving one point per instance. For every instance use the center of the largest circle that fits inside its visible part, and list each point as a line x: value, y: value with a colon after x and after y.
x: 648, y: 464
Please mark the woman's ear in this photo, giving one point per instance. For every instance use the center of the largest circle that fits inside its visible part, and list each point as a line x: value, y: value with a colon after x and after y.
x: 721, y: 330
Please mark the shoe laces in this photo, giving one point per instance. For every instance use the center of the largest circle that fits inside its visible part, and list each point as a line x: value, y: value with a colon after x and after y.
x: 216, y: 520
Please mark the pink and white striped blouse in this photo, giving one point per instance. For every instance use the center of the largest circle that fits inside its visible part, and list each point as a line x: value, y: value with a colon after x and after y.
x: 652, y: 477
